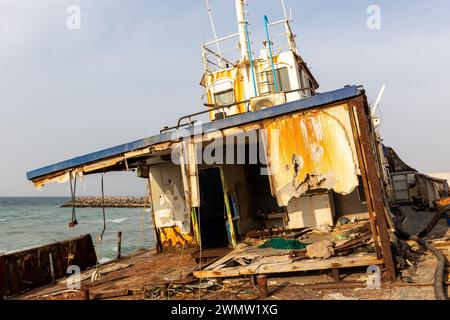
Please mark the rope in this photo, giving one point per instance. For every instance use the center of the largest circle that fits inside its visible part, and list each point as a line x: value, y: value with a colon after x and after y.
x: 178, y: 267
x: 103, y: 210
x: 73, y: 189
x: 141, y: 229
x: 200, y: 252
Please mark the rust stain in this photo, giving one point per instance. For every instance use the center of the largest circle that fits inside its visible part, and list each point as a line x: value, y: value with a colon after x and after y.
x: 314, y: 151
x: 171, y: 237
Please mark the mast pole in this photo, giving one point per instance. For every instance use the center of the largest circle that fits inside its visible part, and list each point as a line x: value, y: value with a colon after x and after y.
x: 242, y: 34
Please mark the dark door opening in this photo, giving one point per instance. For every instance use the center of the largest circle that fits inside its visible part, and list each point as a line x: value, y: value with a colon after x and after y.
x: 212, y: 210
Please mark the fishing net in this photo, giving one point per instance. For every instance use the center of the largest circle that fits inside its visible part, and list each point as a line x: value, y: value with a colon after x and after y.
x: 280, y: 243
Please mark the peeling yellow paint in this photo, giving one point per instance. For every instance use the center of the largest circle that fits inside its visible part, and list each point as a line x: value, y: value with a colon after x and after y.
x: 315, y: 150
x: 235, y: 74
x: 171, y: 237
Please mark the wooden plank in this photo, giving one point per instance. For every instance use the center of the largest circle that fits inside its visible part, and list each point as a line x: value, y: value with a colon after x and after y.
x: 211, y: 253
x: 303, y: 265
x: 111, y: 294
x: 225, y: 258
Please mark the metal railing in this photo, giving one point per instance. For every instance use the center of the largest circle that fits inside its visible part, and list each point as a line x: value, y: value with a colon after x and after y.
x: 221, y: 53
x: 212, y: 108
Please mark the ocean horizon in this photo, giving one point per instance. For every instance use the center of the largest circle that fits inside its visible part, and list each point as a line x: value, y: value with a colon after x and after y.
x: 28, y: 222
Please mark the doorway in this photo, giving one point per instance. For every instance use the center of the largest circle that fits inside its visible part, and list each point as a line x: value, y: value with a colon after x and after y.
x: 212, y: 210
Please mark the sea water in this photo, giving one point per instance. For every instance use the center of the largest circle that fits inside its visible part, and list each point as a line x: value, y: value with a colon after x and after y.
x: 31, y: 222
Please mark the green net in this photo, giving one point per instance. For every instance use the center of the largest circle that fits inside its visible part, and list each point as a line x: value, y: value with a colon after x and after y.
x: 280, y: 243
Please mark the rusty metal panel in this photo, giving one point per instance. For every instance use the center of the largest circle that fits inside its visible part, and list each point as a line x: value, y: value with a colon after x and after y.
x: 311, y: 150
x: 25, y: 270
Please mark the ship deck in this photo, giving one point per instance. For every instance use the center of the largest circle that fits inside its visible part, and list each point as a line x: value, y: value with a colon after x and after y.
x: 147, y: 274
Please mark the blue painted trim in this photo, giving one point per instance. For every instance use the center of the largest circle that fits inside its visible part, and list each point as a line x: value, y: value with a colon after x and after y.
x: 274, y: 75
x: 240, y: 119
x: 250, y: 55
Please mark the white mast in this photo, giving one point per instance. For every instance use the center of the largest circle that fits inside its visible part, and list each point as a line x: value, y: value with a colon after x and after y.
x: 377, y: 102
x: 240, y: 4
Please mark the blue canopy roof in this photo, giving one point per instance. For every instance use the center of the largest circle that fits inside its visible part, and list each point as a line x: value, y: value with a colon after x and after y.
x: 243, y: 118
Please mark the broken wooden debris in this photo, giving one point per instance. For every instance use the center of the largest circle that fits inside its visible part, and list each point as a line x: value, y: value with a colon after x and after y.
x: 210, y: 253
x: 279, y: 266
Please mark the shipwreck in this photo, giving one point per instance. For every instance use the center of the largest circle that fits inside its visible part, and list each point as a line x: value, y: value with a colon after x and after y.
x: 277, y: 159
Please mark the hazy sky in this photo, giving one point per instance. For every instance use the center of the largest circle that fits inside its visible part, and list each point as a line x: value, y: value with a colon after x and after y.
x: 135, y: 66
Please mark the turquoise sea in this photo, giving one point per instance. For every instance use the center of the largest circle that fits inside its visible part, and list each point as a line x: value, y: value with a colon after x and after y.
x: 31, y: 222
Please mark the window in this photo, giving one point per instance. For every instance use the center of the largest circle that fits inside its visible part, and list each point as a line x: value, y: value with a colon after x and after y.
x: 224, y: 98
x: 282, y: 79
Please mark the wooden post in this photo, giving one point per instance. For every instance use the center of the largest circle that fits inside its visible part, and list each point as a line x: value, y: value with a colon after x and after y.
x: 336, y: 274
x: 228, y: 209
x: 52, y: 267
x: 119, y: 244
x: 85, y: 294
x: 262, y: 286
x: 374, y: 194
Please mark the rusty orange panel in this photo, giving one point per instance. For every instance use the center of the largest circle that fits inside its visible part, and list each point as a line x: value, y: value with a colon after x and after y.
x: 311, y: 150
x: 171, y: 237
x: 443, y: 202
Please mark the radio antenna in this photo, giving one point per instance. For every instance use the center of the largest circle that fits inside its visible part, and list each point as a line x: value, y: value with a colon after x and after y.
x: 284, y: 10
x: 219, y: 58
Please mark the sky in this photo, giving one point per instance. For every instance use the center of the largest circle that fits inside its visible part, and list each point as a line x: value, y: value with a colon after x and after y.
x: 134, y: 67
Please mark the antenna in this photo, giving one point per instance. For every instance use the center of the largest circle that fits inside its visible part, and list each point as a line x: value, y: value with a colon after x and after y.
x: 284, y: 10
x: 219, y: 58
x: 377, y: 102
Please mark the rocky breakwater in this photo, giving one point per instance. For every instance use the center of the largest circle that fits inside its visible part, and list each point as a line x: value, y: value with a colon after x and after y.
x: 109, y: 202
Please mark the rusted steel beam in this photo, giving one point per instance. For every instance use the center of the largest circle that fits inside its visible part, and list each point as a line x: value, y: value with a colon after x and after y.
x: 369, y: 165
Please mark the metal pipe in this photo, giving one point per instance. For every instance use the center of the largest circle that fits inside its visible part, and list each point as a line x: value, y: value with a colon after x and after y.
x: 252, y: 68
x: 441, y: 260
x: 269, y: 45
x: 220, y: 40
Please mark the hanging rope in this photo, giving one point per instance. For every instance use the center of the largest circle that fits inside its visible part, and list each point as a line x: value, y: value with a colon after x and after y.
x: 73, y: 189
x: 200, y: 254
x: 103, y: 210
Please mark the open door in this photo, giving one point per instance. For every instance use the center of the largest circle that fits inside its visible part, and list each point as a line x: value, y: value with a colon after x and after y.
x: 212, y: 211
